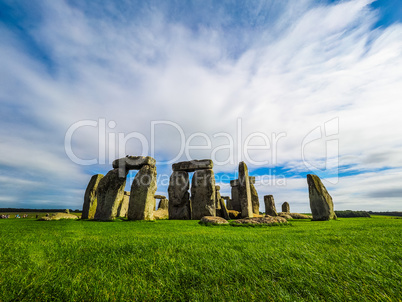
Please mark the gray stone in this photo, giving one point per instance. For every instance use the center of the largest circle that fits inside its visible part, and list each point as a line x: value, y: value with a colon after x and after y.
x: 159, y: 197
x: 142, y: 200
x: 193, y: 165
x: 213, y: 220
x: 321, y: 204
x: 110, y: 195
x: 163, y: 204
x: 179, y: 197
x: 203, y: 194
x: 217, y: 197
x: 254, y: 199
x: 223, y: 211
x: 235, y: 201
x: 123, y: 207
x: 270, y: 208
x: 266, y: 220
x: 244, y: 191
x: 91, y: 197
x: 285, y: 207
x: 235, y: 182
x: 133, y: 162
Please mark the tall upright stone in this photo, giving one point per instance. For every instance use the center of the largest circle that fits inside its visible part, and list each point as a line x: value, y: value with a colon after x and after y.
x: 244, y: 191
x: 123, y: 207
x: 142, y: 195
x: 321, y: 204
x: 91, y: 197
x: 163, y: 202
x: 227, y: 202
x: 285, y: 207
x: 235, y: 201
x: 254, y: 199
x: 203, y: 194
x: 179, y: 197
x: 218, y: 197
x: 110, y: 195
x: 270, y: 208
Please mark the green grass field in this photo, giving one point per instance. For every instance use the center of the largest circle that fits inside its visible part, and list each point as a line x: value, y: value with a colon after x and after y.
x: 351, y: 259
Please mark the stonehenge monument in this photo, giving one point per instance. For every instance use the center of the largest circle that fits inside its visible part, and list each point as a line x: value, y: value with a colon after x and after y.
x: 105, y: 198
x: 321, y: 203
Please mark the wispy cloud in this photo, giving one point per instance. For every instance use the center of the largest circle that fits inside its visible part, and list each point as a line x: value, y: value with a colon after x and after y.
x: 279, y: 67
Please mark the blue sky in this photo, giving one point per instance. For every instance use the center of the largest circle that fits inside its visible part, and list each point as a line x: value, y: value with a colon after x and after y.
x: 318, y: 82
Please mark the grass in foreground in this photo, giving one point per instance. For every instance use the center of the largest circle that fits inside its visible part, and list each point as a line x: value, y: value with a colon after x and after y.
x: 349, y: 259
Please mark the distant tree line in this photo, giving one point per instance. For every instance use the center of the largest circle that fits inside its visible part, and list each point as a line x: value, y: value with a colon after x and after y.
x: 386, y: 213
x: 349, y: 214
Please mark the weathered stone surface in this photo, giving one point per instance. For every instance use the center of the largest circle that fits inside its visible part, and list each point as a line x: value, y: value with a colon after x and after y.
x: 161, y: 214
x: 235, y: 201
x: 245, y: 192
x: 142, y: 200
x: 179, y: 197
x: 266, y: 220
x: 213, y: 220
x: 227, y: 201
x: 123, y: 207
x: 203, y: 194
x: 110, y: 195
x: 235, y: 182
x: 285, y: 207
x: 217, y: 197
x: 91, y: 197
x: 133, y: 162
x: 58, y: 216
x: 223, y: 212
x: 159, y: 197
x: 163, y: 204
x: 194, y: 165
x: 321, y: 204
x: 270, y: 208
x: 299, y: 216
x: 285, y: 215
x: 234, y: 214
x: 254, y: 200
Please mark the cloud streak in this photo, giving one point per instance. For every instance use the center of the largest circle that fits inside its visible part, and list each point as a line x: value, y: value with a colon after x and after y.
x: 279, y: 68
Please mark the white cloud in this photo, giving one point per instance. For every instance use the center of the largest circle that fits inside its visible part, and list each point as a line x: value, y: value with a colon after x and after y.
x: 312, y: 64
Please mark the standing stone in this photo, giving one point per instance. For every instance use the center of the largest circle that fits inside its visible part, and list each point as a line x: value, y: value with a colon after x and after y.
x: 245, y: 192
x: 254, y: 199
x: 223, y: 211
x: 321, y: 204
x: 227, y: 202
x: 270, y: 208
x: 110, y: 195
x: 179, y: 197
x: 203, y: 194
x: 235, y: 201
x: 91, y: 197
x: 142, y: 195
x: 123, y: 207
x: 163, y: 203
x: 218, y: 197
x: 285, y: 207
